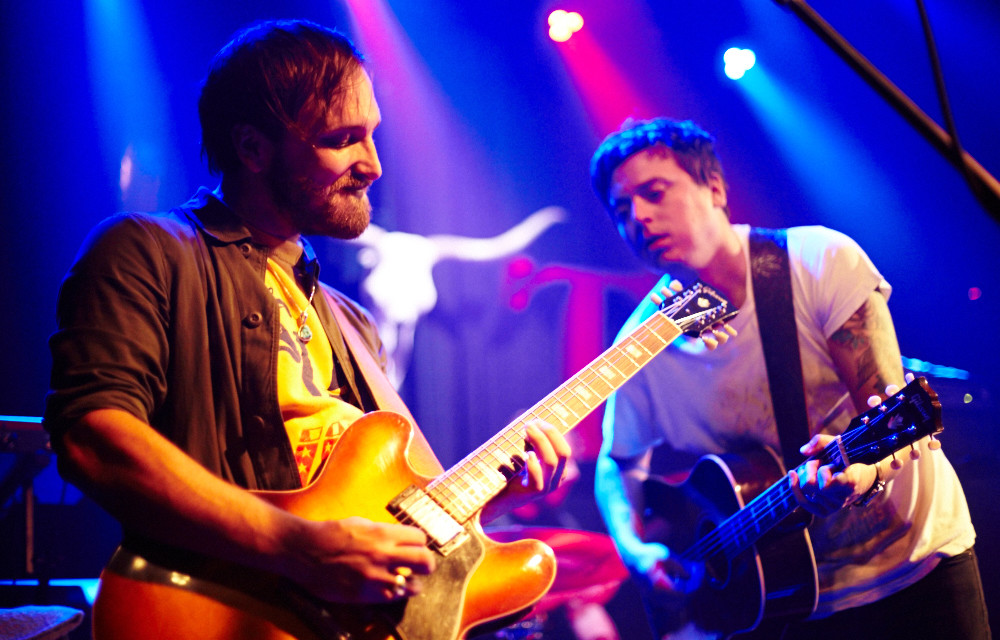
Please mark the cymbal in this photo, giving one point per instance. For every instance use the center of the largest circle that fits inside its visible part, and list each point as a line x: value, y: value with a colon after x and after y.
x: 588, y: 569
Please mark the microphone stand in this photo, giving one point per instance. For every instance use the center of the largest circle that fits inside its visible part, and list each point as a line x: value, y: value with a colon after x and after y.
x: 983, y: 185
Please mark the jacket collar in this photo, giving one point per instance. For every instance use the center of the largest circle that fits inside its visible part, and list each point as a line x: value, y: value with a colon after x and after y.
x: 212, y: 216
x: 216, y: 219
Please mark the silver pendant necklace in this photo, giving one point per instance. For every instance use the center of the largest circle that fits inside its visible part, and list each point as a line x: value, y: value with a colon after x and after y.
x: 303, y: 332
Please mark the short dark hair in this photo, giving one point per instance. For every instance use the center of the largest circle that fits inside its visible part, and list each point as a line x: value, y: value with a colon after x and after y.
x: 264, y: 76
x: 692, y: 146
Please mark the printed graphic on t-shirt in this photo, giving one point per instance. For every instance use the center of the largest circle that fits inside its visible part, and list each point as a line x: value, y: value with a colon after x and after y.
x: 315, y: 415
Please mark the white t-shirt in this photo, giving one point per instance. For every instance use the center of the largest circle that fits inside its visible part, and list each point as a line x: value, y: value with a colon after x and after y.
x: 698, y: 401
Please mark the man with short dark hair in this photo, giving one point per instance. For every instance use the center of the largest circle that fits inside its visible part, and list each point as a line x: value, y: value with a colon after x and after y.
x: 899, y: 564
x: 198, y: 356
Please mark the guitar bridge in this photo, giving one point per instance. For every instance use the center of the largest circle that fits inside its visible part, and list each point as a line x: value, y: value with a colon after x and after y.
x: 414, y: 507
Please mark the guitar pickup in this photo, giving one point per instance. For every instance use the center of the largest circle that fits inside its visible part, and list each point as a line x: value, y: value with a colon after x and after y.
x: 414, y: 507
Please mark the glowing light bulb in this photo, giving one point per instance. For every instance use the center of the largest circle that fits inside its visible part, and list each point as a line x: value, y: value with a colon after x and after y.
x: 738, y: 62
x: 563, y: 24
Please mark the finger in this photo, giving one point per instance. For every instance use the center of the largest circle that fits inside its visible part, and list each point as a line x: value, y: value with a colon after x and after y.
x: 548, y: 442
x: 558, y: 463
x: 805, y: 493
x: 404, y: 583
x: 550, y: 451
x: 793, y: 482
x: 824, y: 477
x: 556, y: 477
x: 531, y: 477
x: 407, y: 535
x: 811, y: 484
x: 807, y: 447
x: 412, y: 560
x: 815, y: 444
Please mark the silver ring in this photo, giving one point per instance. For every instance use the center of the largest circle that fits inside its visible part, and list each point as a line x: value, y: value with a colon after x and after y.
x: 400, y: 589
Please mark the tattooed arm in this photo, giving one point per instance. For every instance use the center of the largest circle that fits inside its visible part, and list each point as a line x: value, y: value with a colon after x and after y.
x: 866, y: 353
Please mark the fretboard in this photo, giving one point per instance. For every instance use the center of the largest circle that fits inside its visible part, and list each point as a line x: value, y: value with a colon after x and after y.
x: 745, y: 527
x: 464, y: 489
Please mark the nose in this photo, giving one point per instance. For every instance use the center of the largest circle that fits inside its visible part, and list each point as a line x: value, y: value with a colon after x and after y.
x: 640, y: 210
x: 368, y: 163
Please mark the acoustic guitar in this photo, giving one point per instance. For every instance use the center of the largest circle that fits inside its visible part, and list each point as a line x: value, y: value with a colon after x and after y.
x: 167, y: 594
x: 736, y: 524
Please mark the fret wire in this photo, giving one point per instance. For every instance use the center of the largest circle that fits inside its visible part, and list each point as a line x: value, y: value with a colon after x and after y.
x: 565, y: 407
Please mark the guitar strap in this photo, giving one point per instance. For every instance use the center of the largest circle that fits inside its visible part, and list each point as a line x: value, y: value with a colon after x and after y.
x: 420, y: 454
x: 772, y: 291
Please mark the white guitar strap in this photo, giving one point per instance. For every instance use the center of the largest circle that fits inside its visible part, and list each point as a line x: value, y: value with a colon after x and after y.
x: 420, y: 454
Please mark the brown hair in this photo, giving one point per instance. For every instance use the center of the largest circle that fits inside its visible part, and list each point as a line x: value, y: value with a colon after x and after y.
x: 265, y: 76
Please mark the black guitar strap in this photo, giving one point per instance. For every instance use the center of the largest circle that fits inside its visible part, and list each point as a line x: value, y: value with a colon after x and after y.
x: 772, y: 291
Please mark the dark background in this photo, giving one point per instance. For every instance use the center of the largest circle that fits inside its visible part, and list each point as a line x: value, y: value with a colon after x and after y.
x: 484, y: 123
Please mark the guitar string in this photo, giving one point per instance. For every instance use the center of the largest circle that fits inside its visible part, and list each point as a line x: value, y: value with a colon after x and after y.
x: 647, y: 340
x: 619, y: 360
x: 741, y: 522
x: 650, y: 340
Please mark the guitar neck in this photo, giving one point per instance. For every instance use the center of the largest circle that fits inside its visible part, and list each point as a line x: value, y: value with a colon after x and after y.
x: 464, y: 489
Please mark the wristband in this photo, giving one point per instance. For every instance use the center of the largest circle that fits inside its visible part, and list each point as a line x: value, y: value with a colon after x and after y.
x: 877, y: 487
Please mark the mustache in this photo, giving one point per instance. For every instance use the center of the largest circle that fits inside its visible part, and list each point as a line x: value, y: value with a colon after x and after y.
x: 353, y: 183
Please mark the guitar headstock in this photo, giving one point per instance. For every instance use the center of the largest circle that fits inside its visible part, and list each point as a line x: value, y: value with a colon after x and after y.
x: 899, y: 421
x: 699, y: 311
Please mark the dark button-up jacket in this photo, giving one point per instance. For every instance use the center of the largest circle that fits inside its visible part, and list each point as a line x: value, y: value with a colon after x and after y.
x: 166, y: 316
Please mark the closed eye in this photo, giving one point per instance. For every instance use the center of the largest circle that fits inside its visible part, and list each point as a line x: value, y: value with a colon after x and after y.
x: 652, y: 195
x: 339, y: 139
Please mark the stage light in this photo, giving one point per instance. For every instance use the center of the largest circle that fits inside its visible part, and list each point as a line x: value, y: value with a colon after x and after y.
x: 738, y: 62
x: 975, y: 293
x: 563, y: 24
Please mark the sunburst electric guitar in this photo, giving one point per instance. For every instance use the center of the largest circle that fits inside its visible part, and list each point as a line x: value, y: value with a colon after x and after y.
x: 750, y: 554
x: 160, y: 593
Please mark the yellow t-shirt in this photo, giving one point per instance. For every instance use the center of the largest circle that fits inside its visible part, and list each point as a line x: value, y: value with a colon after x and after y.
x: 315, y: 416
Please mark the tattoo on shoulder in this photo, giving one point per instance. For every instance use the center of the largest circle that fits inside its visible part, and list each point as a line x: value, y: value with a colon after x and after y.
x: 864, y: 335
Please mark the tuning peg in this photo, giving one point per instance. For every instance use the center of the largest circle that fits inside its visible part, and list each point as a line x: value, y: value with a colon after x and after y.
x: 729, y: 329
x: 668, y: 291
x: 914, y: 453
x: 909, y: 377
x: 709, y: 341
x: 720, y: 335
x: 874, y: 401
x: 933, y: 443
x: 895, y: 464
x: 655, y: 299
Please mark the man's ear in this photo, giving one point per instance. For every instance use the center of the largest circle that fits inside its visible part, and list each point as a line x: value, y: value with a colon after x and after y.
x: 253, y: 148
x: 720, y: 198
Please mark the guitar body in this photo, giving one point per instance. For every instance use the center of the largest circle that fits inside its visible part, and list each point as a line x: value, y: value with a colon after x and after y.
x: 170, y: 595
x: 772, y: 580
